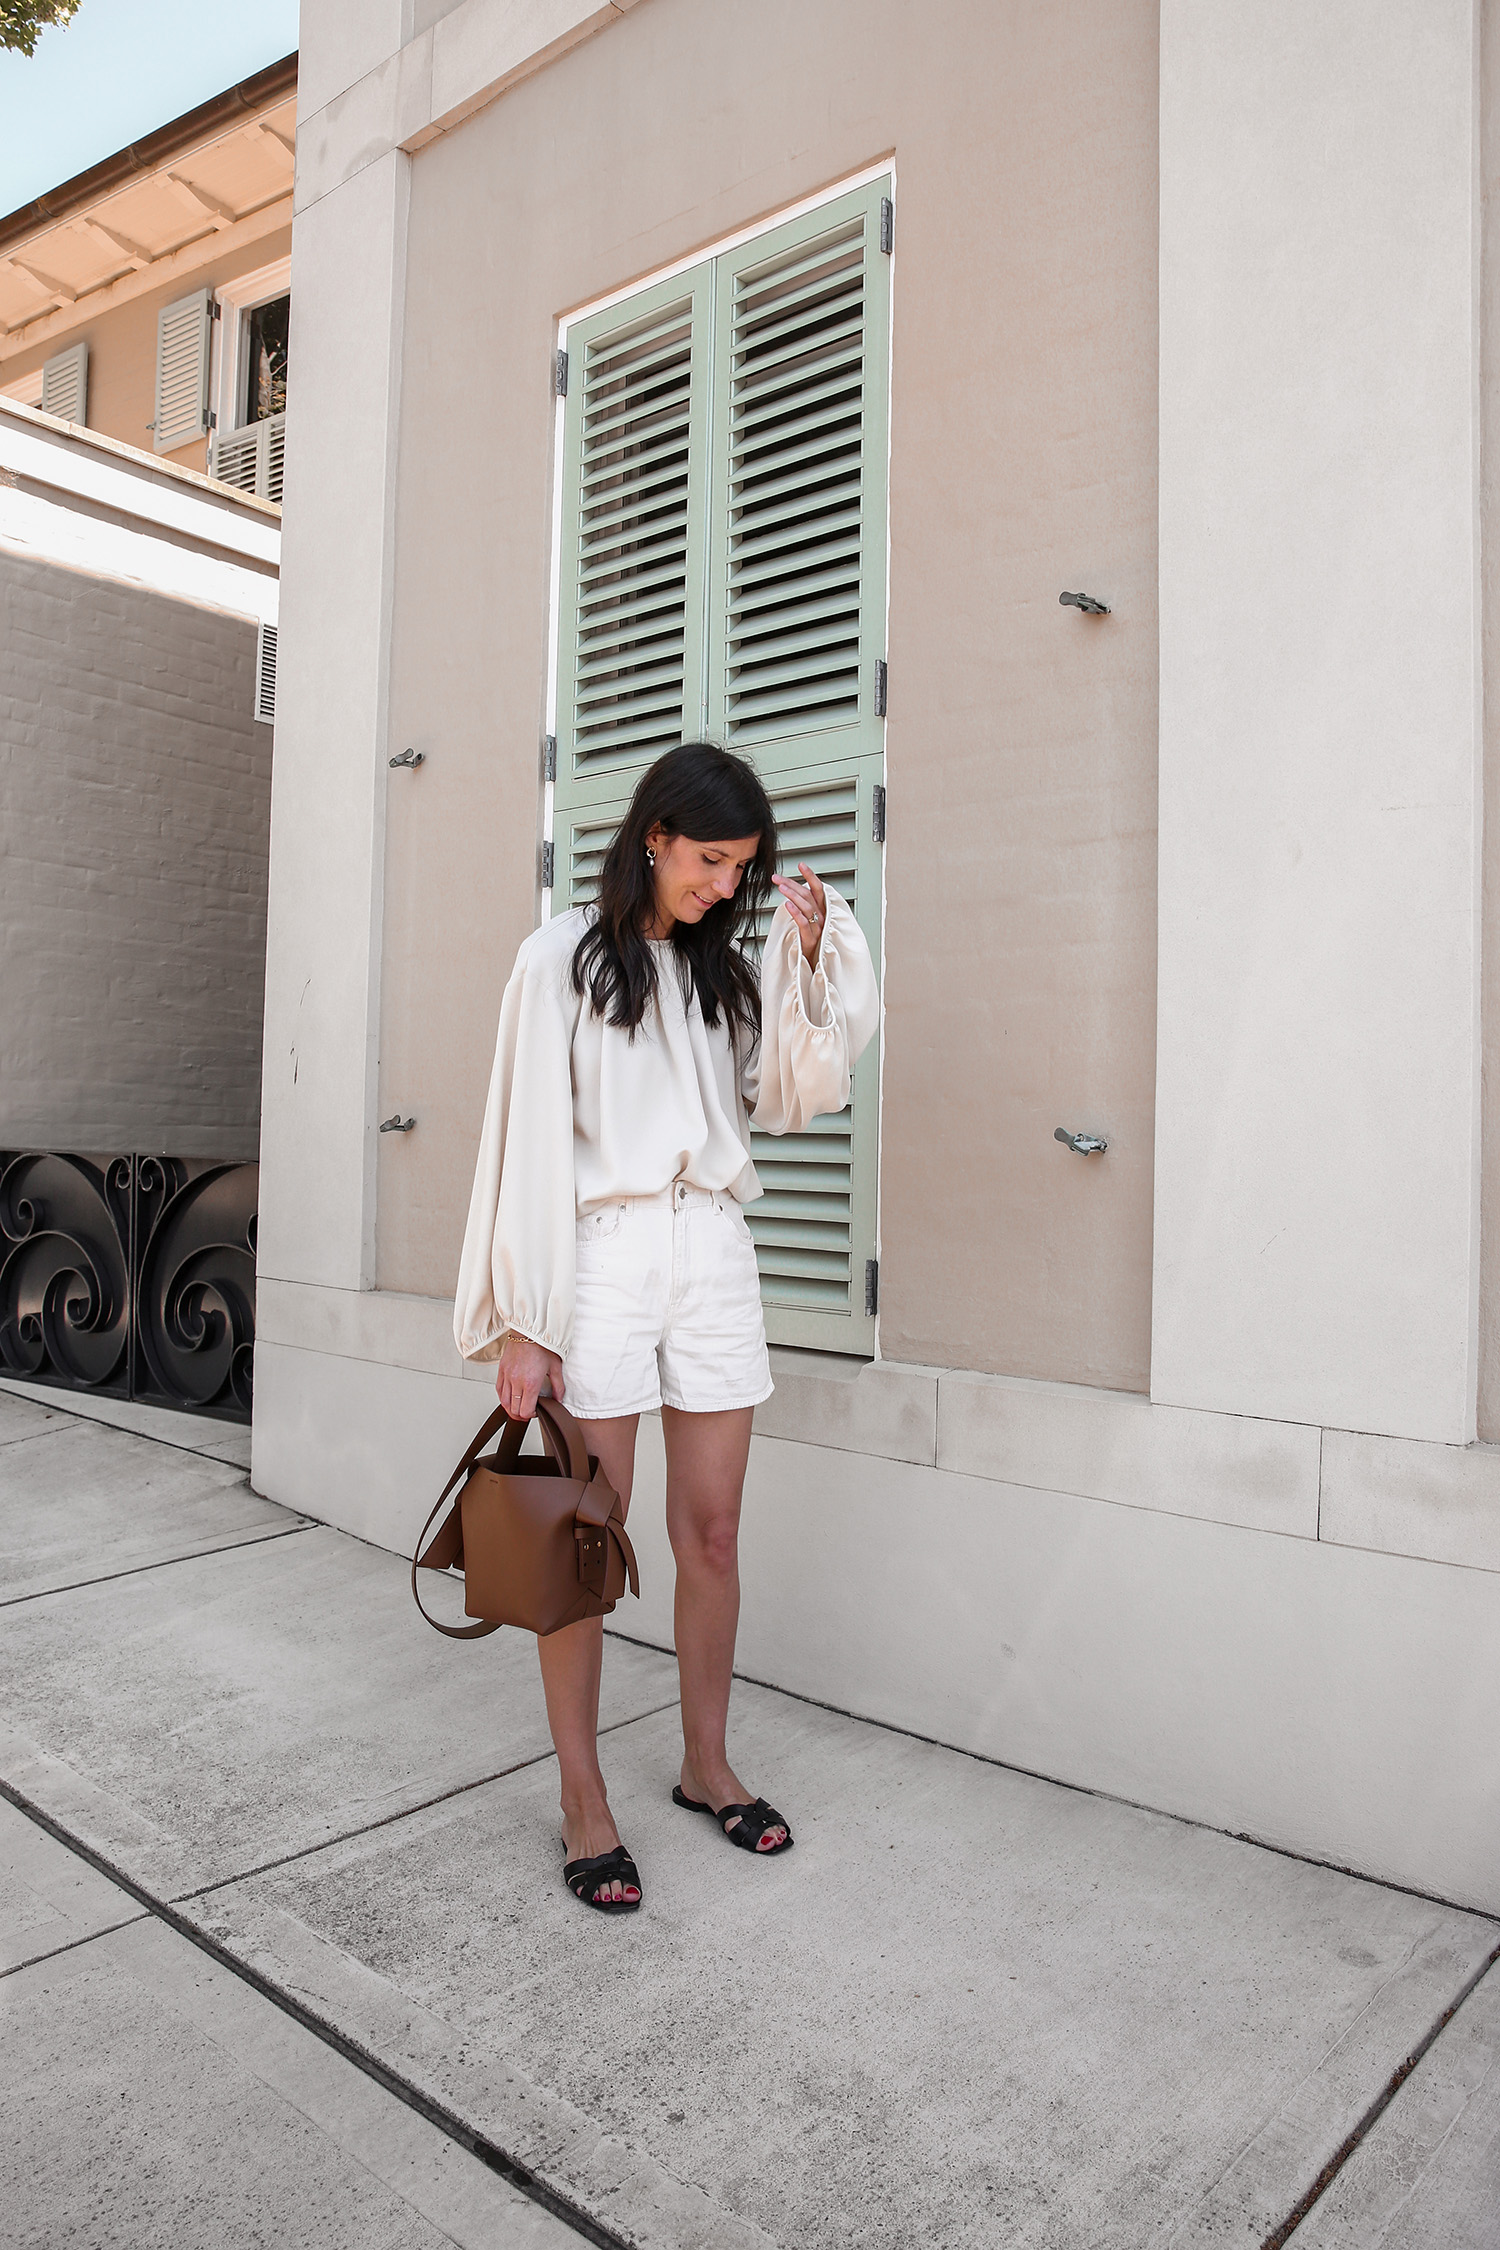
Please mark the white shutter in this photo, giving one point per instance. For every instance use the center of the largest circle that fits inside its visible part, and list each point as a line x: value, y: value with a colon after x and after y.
x: 182, y: 353
x: 251, y: 459
x: 265, y: 674
x: 65, y: 385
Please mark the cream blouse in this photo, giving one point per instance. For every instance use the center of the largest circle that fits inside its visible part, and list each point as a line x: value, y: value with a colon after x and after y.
x: 580, y: 1115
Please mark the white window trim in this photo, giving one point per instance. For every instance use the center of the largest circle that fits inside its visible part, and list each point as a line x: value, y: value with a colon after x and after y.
x: 237, y: 299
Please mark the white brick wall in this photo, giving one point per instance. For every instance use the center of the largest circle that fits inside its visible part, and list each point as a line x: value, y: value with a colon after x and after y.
x: 134, y: 813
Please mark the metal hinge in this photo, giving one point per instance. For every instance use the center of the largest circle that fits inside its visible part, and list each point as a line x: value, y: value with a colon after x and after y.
x: 872, y: 1287
x: 877, y: 818
x: 549, y: 757
x: 880, y: 686
x: 887, y: 225
x: 215, y: 309
x: 549, y: 864
x: 213, y: 421
x: 560, y: 375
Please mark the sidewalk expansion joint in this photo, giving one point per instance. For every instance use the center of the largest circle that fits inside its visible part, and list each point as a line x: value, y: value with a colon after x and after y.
x: 71, y: 1946
x: 426, y: 2106
x: 166, y: 1562
x: 1376, y: 2109
x: 407, y: 1812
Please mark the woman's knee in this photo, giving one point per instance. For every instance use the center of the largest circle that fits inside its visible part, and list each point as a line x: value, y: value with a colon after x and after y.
x: 711, y: 1541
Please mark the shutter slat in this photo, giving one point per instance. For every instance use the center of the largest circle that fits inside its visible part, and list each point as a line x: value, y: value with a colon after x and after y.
x: 779, y: 469
x: 786, y: 566
x: 768, y: 647
x: 828, y: 278
x: 833, y: 585
x: 755, y: 282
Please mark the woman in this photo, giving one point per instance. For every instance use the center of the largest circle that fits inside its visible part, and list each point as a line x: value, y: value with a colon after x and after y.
x: 607, y: 1259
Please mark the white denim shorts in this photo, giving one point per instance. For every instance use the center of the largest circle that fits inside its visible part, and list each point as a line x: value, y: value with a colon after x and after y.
x: 668, y: 1309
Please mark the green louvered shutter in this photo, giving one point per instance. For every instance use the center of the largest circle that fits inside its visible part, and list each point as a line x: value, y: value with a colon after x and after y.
x: 630, y: 627
x: 724, y: 542
x: 796, y: 630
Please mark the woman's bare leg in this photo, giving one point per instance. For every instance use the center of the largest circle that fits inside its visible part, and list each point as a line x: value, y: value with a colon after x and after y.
x: 706, y: 1458
x: 572, y: 1661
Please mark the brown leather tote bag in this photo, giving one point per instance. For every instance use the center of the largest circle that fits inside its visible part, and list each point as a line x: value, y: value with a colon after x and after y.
x: 540, y: 1540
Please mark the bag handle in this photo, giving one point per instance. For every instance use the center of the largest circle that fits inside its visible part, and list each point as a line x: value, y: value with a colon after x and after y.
x: 563, y: 1440
x: 567, y: 1448
x: 510, y: 1446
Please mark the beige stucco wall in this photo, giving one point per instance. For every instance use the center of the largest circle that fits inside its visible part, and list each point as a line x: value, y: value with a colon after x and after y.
x: 122, y: 347
x: 1021, y: 740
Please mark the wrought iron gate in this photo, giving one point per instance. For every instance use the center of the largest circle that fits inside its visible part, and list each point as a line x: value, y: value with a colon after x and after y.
x: 131, y: 1277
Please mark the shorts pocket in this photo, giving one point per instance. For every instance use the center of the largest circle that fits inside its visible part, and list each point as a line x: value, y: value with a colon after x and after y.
x: 600, y: 1225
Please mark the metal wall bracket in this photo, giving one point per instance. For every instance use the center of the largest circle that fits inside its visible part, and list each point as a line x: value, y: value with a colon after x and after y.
x: 398, y: 1124
x: 1086, y: 603
x: 1082, y: 1144
x: 411, y: 758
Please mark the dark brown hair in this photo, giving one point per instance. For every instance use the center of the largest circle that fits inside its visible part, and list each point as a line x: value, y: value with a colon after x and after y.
x: 711, y: 796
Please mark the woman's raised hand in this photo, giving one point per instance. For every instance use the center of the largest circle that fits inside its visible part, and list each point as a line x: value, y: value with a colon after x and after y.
x: 527, y: 1371
x: 807, y: 905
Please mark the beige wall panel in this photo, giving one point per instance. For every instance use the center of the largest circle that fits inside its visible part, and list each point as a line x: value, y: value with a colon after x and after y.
x: 122, y: 348
x: 1021, y: 745
x: 1489, y: 457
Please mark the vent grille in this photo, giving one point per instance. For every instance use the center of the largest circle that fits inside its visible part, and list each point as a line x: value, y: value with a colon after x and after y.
x: 628, y: 656
x: 265, y: 675
x: 182, y: 333
x: 796, y: 436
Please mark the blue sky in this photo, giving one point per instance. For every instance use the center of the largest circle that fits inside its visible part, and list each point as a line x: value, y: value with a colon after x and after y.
x: 120, y: 69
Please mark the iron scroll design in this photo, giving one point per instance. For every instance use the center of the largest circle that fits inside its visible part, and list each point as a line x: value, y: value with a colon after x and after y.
x: 131, y: 1277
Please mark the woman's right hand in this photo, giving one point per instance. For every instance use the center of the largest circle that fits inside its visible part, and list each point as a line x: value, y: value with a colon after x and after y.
x: 526, y: 1372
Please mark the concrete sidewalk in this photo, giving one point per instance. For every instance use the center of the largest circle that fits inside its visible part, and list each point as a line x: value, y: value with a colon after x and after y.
x: 289, y: 1958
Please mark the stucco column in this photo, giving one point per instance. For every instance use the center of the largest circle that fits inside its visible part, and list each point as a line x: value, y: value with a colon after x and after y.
x: 1316, y: 1244
x: 331, y: 771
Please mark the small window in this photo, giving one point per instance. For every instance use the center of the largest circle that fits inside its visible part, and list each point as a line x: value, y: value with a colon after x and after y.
x: 265, y: 361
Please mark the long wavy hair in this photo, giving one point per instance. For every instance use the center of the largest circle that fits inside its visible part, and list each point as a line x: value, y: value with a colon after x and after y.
x: 712, y: 797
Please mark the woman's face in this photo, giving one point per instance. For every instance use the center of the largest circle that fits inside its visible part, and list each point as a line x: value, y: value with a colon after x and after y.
x: 692, y: 878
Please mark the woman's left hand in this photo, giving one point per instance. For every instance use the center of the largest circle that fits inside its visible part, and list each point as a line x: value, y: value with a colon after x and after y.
x: 808, y: 907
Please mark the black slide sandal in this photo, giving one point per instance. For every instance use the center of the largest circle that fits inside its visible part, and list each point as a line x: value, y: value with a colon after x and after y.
x: 584, y: 1876
x: 743, y: 1824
